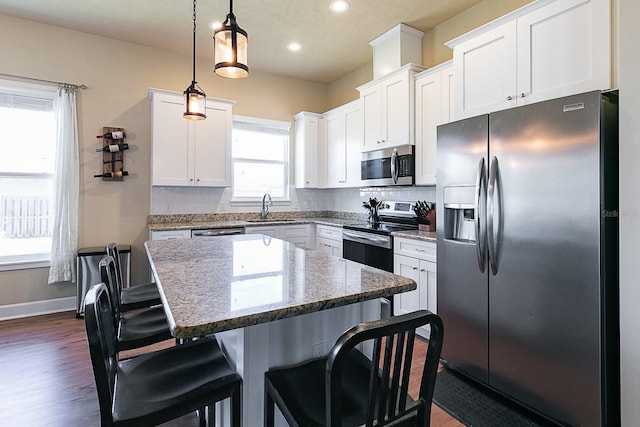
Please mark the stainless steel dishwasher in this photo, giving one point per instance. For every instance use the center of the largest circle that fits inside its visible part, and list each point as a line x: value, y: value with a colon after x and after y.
x: 212, y: 232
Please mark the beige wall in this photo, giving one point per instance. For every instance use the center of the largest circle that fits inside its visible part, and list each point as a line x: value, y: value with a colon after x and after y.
x: 118, y: 75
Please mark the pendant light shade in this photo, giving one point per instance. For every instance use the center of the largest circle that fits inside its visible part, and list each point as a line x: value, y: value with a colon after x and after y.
x: 230, y: 48
x: 195, y: 100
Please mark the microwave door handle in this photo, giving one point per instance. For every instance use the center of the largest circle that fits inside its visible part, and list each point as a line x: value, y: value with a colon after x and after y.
x: 394, y: 166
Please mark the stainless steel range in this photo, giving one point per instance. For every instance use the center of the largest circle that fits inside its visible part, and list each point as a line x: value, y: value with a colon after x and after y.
x: 371, y: 243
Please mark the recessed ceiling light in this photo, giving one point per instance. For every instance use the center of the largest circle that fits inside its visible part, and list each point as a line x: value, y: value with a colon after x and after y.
x: 338, y: 6
x: 294, y: 47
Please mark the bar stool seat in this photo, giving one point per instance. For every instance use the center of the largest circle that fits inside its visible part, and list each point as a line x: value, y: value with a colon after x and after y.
x: 158, y: 386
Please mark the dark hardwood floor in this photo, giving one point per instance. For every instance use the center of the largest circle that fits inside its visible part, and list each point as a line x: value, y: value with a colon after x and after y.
x: 46, y: 377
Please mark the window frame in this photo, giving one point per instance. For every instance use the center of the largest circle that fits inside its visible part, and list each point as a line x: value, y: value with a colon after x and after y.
x: 32, y: 90
x: 267, y: 126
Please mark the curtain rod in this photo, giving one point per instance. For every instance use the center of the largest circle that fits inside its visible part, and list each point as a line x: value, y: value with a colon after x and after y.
x: 80, y: 86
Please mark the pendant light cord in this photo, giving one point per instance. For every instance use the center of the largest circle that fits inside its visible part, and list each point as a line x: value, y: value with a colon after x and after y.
x: 194, y: 41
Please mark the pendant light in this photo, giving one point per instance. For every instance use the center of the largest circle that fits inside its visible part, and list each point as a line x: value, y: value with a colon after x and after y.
x: 194, y: 96
x: 230, y: 48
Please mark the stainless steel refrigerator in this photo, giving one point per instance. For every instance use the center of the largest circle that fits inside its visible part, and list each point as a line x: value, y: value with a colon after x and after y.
x: 527, y: 254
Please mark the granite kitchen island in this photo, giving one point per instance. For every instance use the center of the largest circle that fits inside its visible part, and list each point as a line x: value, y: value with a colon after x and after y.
x: 268, y: 302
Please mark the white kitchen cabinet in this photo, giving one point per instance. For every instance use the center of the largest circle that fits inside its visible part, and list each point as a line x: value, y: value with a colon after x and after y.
x: 388, y: 107
x: 544, y: 50
x: 170, y: 234
x: 433, y: 89
x: 342, y: 136
x: 308, y: 162
x: 416, y: 259
x: 298, y: 234
x: 329, y: 239
x: 187, y: 152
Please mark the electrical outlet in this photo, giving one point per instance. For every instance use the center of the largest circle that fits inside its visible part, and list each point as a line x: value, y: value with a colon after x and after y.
x: 319, y: 349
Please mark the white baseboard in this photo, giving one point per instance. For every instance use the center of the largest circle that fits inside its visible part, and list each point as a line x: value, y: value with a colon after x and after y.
x: 35, y: 308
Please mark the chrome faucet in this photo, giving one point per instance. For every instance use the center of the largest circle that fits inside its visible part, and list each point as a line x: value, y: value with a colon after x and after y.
x: 265, y: 205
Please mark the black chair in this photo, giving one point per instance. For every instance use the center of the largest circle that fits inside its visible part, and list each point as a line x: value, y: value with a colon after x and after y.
x: 348, y: 389
x: 133, y: 297
x: 138, y: 328
x: 159, y: 386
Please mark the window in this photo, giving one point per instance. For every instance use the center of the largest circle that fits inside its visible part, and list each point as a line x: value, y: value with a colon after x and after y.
x: 27, y: 143
x: 260, y: 159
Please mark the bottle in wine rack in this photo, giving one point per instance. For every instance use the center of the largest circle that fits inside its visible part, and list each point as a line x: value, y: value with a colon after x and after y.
x: 114, y: 135
x: 115, y: 174
x: 112, y: 148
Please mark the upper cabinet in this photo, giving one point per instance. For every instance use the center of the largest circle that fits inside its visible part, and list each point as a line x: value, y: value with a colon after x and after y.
x: 307, y: 150
x: 544, y: 50
x: 188, y: 152
x: 434, y: 107
x: 388, y: 107
x: 342, y: 136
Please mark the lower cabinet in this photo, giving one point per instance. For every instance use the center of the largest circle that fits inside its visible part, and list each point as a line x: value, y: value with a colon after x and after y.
x: 416, y: 260
x: 298, y: 234
x: 329, y: 239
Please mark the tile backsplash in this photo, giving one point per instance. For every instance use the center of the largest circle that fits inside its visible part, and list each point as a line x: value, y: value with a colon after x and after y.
x: 198, y: 200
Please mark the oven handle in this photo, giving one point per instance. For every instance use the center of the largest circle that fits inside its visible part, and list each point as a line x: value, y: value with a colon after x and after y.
x: 367, y: 238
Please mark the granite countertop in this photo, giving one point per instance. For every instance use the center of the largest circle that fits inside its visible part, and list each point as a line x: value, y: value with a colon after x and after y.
x: 205, y: 221
x: 213, y: 285
x: 428, y: 236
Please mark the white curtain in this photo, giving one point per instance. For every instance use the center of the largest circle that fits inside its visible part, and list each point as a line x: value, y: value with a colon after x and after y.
x: 65, y: 231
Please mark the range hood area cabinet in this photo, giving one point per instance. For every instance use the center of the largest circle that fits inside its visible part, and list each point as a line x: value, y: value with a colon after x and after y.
x: 188, y: 152
x: 434, y: 106
x: 544, y: 50
x: 388, y: 109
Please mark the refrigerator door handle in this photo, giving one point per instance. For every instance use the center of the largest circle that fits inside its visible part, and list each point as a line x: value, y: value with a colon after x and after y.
x: 493, y: 192
x: 479, y: 217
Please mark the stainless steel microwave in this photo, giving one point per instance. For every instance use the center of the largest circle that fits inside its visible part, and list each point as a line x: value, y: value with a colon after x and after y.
x: 390, y: 166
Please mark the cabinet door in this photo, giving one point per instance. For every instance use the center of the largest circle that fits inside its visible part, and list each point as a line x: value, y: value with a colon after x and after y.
x: 428, y: 283
x: 428, y: 116
x: 211, y: 148
x: 334, y: 125
x: 169, y: 148
x: 354, y: 137
x: 485, y: 72
x: 307, y: 150
x: 372, y: 111
x: 396, y: 100
x: 563, y: 49
x: 407, y: 302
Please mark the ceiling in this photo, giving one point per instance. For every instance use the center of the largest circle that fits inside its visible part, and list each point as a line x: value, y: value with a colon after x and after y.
x: 332, y: 45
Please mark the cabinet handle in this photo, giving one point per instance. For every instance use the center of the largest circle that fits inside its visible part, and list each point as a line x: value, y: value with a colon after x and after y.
x: 420, y: 250
x: 191, y: 179
x: 198, y: 179
x: 509, y: 98
x: 414, y: 268
x: 522, y: 95
x: 422, y: 270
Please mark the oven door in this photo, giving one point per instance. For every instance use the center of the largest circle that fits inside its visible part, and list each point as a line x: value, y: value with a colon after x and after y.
x: 371, y: 249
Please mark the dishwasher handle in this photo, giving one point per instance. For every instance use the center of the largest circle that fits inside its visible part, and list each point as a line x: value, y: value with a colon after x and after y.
x: 217, y: 232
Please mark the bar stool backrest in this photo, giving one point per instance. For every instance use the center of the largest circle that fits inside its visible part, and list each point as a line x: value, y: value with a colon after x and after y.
x: 109, y: 276
x: 101, y: 335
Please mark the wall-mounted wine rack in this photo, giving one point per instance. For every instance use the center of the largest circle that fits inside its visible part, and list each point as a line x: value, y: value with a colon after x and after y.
x: 113, y: 147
